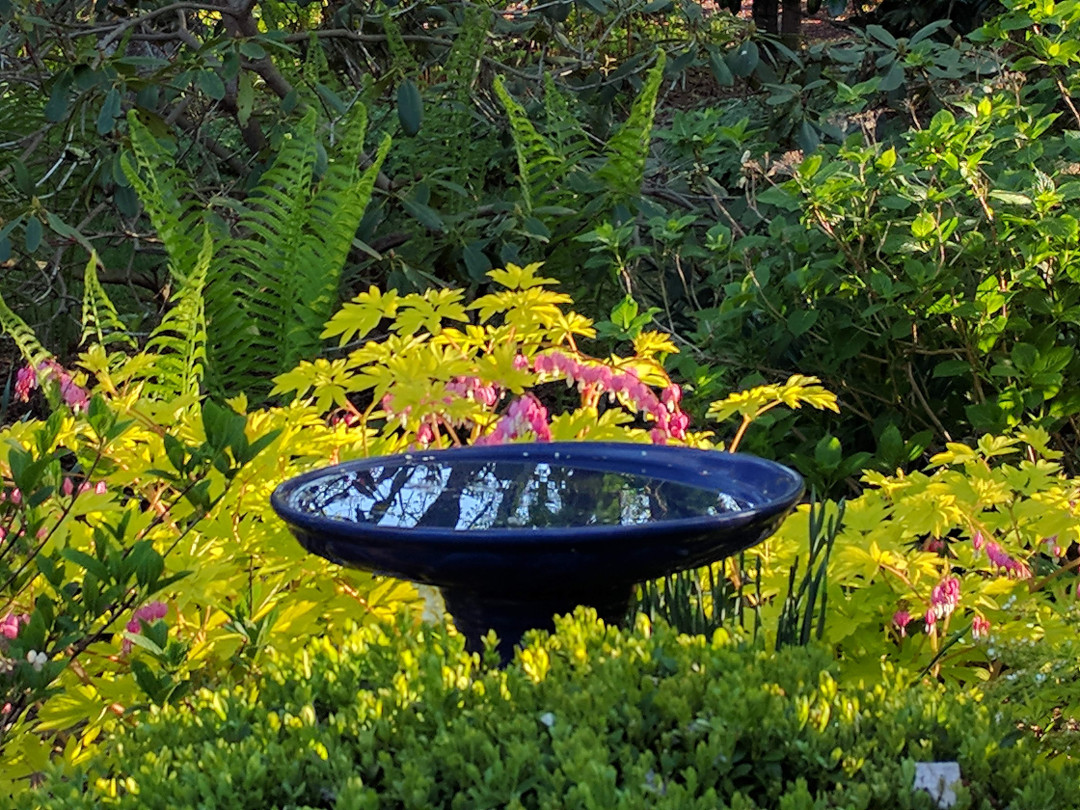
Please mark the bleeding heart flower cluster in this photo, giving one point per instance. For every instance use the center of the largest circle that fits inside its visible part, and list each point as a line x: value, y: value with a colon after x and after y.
x: 525, y: 414
x: 999, y: 557
x: 10, y: 624
x: 150, y: 612
x: 943, y: 599
x: 474, y: 388
x: 665, y: 412
x: 26, y: 380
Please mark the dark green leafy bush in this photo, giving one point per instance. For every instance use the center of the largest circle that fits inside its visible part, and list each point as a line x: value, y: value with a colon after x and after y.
x: 588, y: 717
x: 931, y: 283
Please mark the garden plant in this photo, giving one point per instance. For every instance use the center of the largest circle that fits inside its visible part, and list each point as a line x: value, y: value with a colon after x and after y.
x: 239, y: 240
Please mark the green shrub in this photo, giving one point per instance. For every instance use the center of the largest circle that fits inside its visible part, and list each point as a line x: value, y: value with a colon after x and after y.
x: 588, y: 717
x: 140, y: 501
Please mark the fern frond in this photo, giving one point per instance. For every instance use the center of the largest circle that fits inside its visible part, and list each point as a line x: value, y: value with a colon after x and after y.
x: 402, y: 58
x: 178, y: 344
x: 15, y: 327
x: 336, y: 210
x: 315, y: 65
x: 100, y: 321
x: 273, y: 287
x: 174, y: 215
x: 249, y: 290
x: 336, y: 213
x: 565, y: 132
x: 626, y: 151
x: 463, y: 61
x: 538, y: 163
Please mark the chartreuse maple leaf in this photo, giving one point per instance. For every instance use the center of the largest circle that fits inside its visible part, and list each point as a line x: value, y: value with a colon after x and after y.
x: 469, y: 340
x: 428, y: 311
x: 652, y: 343
x: 357, y: 318
x: 520, y: 278
x: 585, y: 423
x: 987, y: 447
x: 569, y: 324
x: 648, y: 371
x: 327, y: 380
x: 522, y: 309
x: 1038, y: 439
x: 799, y: 390
x: 382, y: 351
x: 498, y: 366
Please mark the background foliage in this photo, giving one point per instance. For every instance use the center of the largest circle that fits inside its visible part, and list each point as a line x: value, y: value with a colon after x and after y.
x: 880, y: 223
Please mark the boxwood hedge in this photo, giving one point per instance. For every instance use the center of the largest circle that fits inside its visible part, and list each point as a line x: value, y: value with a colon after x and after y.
x: 589, y: 717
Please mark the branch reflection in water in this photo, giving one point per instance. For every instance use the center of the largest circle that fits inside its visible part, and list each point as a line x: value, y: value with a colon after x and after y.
x: 476, y: 496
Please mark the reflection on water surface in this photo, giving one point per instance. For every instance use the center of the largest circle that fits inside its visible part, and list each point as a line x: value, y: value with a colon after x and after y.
x: 473, y: 496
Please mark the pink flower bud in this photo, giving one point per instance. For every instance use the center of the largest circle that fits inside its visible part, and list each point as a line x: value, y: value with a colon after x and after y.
x: 25, y: 382
x: 9, y: 625
x: 980, y: 626
x: 424, y: 434
x: 901, y: 619
x: 944, y: 597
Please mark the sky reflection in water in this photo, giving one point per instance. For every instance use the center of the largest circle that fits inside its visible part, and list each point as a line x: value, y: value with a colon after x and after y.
x: 474, y: 496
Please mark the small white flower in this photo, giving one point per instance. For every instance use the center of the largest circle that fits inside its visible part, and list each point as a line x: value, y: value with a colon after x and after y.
x: 36, y: 659
x: 548, y: 719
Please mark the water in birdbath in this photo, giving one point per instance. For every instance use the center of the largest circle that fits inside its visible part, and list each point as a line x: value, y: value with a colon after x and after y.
x: 481, y: 495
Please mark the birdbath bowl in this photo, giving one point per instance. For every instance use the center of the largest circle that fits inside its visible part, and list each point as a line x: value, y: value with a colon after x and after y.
x: 515, y: 534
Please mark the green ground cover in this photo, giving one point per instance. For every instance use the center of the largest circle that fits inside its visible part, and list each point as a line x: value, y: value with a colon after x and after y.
x: 239, y: 243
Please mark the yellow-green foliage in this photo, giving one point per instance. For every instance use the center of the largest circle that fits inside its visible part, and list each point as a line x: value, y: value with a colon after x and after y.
x: 998, y: 517
x: 155, y: 479
x: 445, y: 370
x: 588, y: 717
x: 141, y: 549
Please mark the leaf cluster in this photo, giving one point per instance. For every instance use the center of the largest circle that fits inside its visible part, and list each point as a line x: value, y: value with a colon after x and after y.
x: 589, y: 716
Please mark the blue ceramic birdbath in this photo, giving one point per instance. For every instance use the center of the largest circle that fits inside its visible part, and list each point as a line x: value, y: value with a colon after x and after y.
x: 515, y: 534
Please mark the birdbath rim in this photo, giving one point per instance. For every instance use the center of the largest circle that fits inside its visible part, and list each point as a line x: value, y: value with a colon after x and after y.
x: 695, y: 467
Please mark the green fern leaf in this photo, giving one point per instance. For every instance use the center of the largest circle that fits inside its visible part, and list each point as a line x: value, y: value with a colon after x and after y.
x: 402, y: 58
x: 15, y: 327
x: 624, y: 167
x: 250, y: 290
x: 336, y: 210
x: 325, y: 255
x: 538, y: 163
x: 176, y: 218
x: 179, y: 341
x: 273, y: 286
x: 563, y: 128
x: 100, y: 321
x: 463, y: 61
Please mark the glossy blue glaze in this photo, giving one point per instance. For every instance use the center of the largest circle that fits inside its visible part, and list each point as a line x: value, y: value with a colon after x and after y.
x: 617, y: 514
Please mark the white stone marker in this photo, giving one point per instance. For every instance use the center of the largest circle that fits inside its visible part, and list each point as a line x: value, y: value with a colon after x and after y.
x: 937, y: 779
